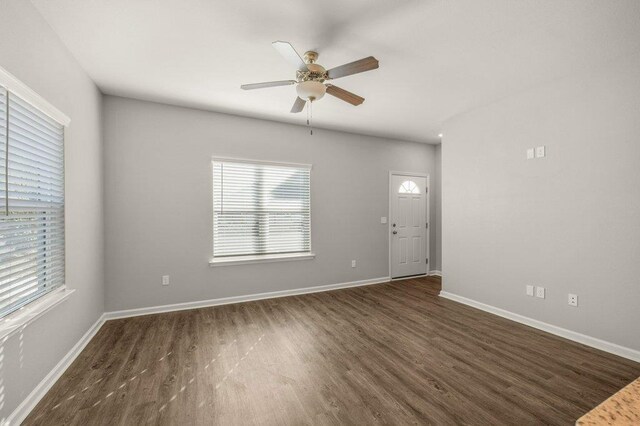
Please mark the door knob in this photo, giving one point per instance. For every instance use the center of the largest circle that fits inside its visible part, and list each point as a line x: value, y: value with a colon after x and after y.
x: 394, y: 225
x: 395, y: 232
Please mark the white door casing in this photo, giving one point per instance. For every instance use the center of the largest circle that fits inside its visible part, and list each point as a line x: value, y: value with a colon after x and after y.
x: 408, y: 200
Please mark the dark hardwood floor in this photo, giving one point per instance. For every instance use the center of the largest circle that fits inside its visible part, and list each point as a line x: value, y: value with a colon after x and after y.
x: 392, y: 353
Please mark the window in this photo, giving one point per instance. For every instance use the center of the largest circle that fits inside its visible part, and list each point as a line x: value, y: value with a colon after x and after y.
x: 260, y: 210
x: 408, y: 187
x: 31, y: 203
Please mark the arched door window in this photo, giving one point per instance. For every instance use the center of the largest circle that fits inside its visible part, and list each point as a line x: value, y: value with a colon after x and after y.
x: 408, y: 187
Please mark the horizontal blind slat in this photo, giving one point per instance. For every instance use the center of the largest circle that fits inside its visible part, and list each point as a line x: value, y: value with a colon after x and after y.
x: 12, y: 251
x: 15, y: 281
x: 24, y: 167
x: 31, y: 149
x: 31, y: 136
x: 23, y: 163
x: 10, y: 307
x: 25, y: 288
x: 11, y: 259
x: 26, y: 264
x: 34, y: 114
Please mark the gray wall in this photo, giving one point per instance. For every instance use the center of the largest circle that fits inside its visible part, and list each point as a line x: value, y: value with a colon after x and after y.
x: 569, y: 222
x: 31, y: 51
x: 158, y: 202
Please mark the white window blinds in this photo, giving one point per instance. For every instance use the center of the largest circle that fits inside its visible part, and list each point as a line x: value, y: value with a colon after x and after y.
x: 260, y: 209
x: 31, y: 203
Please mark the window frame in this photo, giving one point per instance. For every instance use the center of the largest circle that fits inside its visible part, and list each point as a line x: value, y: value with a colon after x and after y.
x: 19, y: 318
x: 260, y: 258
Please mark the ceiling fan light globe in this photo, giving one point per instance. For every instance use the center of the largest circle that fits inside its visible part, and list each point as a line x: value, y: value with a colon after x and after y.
x: 311, y: 90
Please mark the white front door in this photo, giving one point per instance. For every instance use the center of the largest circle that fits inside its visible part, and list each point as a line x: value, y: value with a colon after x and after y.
x: 408, y: 225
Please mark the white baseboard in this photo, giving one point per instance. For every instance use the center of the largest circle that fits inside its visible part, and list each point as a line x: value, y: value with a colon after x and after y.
x: 238, y: 299
x: 435, y: 273
x: 603, y: 345
x: 22, y: 411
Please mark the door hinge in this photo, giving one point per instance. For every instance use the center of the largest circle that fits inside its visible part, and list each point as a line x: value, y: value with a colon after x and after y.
x: 427, y: 225
x: 426, y: 190
x: 427, y: 260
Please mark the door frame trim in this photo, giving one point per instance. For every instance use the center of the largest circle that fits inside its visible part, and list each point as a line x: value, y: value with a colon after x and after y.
x: 427, y: 213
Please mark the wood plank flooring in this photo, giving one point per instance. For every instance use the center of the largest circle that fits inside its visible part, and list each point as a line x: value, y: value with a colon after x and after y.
x: 393, y: 353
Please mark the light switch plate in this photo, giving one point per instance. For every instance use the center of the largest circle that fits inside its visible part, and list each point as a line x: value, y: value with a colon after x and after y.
x: 530, y: 290
x: 531, y: 154
x: 383, y: 220
x: 540, y: 152
x: 540, y: 292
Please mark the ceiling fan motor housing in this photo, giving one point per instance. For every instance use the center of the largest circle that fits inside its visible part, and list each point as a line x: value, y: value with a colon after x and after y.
x: 312, y: 72
x: 310, y: 81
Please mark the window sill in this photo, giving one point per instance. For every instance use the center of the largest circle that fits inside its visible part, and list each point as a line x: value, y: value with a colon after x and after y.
x: 28, y: 313
x: 243, y: 260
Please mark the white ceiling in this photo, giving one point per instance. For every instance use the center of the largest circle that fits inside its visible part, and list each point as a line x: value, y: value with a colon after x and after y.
x: 437, y: 58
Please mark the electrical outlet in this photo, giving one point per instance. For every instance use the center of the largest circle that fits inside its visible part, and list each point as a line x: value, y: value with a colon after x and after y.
x: 531, y: 154
x: 530, y: 290
x: 165, y: 280
x: 540, y: 152
x: 353, y: 263
x: 383, y: 220
x: 573, y: 300
x: 540, y: 292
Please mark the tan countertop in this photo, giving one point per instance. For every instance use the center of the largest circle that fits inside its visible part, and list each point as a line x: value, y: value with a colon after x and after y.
x: 622, y: 408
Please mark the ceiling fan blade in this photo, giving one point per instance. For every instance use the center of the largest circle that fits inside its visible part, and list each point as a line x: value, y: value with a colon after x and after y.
x: 362, y: 65
x: 298, y: 105
x: 344, y: 95
x: 267, y: 84
x: 289, y: 53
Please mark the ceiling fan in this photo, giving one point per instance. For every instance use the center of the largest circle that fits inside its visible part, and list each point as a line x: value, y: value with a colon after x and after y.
x: 311, y: 78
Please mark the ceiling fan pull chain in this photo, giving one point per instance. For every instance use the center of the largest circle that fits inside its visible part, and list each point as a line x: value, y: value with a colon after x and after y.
x: 311, y: 117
